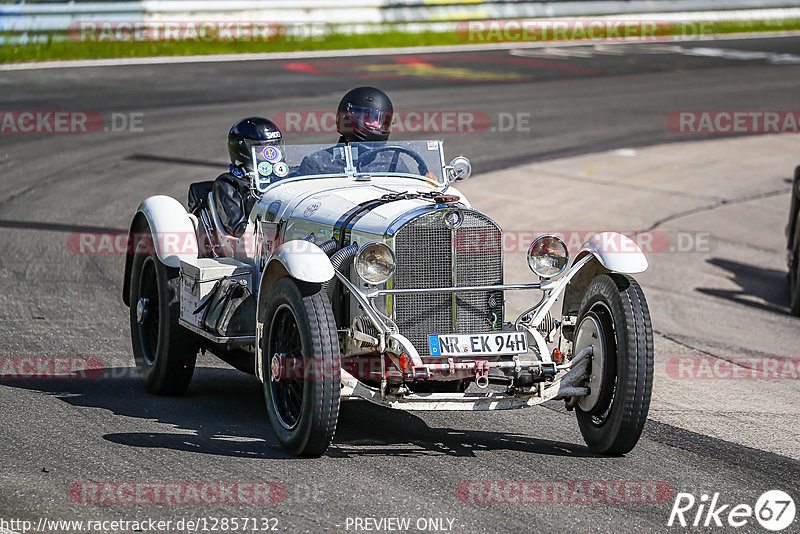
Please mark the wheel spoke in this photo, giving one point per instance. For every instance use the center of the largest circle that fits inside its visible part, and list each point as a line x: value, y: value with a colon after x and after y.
x: 287, y: 393
x: 296, y: 350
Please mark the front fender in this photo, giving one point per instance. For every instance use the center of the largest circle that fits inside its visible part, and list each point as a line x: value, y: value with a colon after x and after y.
x: 173, y: 234
x: 611, y: 252
x: 616, y: 252
x: 303, y: 261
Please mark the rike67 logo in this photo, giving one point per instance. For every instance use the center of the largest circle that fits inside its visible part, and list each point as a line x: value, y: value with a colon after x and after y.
x: 774, y: 510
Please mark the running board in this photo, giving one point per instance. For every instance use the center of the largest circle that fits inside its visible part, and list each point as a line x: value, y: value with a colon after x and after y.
x: 239, y: 340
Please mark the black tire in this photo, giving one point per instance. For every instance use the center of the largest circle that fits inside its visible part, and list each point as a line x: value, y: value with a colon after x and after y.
x: 794, y: 281
x: 617, y: 305
x: 303, y: 409
x: 165, y: 353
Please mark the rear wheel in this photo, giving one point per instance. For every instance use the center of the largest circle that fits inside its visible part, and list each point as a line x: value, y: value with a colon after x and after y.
x: 615, y: 321
x: 301, y: 367
x: 794, y: 281
x: 165, y: 353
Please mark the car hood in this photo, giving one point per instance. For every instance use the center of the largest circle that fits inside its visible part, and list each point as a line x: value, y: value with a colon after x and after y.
x: 326, y: 201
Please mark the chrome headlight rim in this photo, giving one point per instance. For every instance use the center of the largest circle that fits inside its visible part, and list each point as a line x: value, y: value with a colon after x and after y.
x: 533, y: 246
x: 391, y: 256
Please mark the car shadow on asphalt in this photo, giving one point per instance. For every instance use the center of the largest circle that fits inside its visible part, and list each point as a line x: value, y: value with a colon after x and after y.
x: 59, y: 227
x: 768, y: 285
x: 366, y: 429
x: 223, y: 414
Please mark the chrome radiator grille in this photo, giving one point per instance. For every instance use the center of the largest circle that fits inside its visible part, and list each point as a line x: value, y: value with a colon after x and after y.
x: 431, y: 255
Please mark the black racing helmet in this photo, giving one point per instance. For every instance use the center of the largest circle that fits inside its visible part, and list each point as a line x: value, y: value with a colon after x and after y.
x: 250, y: 132
x: 365, y: 114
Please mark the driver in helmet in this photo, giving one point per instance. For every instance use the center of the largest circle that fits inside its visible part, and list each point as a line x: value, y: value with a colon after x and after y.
x: 364, y: 114
x: 233, y: 199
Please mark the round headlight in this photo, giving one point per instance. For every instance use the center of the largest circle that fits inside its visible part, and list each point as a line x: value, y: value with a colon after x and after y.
x: 375, y: 263
x: 547, y: 256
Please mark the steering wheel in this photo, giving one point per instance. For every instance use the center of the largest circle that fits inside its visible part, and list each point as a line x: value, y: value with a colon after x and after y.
x: 373, y: 153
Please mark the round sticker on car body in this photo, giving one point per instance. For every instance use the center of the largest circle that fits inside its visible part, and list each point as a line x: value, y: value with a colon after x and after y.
x: 264, y: 168
x: 281, y: 169
x: 271, y: 154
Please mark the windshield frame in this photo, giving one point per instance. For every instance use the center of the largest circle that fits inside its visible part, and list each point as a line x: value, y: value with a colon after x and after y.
x: 260, y: 186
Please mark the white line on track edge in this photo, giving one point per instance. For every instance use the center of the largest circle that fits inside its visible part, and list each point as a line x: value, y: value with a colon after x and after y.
x: 360, y: 52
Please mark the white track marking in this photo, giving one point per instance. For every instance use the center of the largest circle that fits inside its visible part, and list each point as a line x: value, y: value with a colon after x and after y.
x: 743, y: 55
x: 616, y: 49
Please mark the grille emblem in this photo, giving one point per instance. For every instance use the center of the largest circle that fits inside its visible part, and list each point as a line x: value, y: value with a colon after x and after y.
x: 453, y: 219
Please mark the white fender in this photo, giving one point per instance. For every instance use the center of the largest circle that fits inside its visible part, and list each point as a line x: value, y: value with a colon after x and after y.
x: 616, y: 252
x: 304, y: 261
x: 174, y: 235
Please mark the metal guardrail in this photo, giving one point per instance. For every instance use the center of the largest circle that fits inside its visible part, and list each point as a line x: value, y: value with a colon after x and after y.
x: 51, y: 15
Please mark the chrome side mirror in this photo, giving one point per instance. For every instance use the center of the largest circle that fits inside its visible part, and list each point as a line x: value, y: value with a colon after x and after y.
x: 461, y: 169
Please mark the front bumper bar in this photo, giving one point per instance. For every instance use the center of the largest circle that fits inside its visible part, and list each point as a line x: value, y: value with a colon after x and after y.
x: 563, y: 387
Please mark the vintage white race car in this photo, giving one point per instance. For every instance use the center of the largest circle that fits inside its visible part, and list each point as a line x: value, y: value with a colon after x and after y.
x: 377, y: 280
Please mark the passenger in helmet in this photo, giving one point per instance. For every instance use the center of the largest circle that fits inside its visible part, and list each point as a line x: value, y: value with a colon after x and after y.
x: 233, y: 199
x: 364, y: 114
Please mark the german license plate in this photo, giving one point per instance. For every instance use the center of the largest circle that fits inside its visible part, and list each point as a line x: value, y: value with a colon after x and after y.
x: 494, y: 344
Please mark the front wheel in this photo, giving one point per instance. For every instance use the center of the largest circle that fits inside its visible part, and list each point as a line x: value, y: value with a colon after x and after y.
x: 165, y: 353
x: 301, y: 367
x: 615, y: 321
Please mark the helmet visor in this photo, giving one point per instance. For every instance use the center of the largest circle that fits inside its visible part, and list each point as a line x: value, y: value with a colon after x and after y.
x: 373, y: 120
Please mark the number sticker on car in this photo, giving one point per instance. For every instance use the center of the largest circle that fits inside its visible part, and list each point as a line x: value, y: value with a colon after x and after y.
x: 494, y: 344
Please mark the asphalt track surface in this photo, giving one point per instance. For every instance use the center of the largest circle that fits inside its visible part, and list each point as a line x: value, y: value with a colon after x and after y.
x: 382, y: 463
